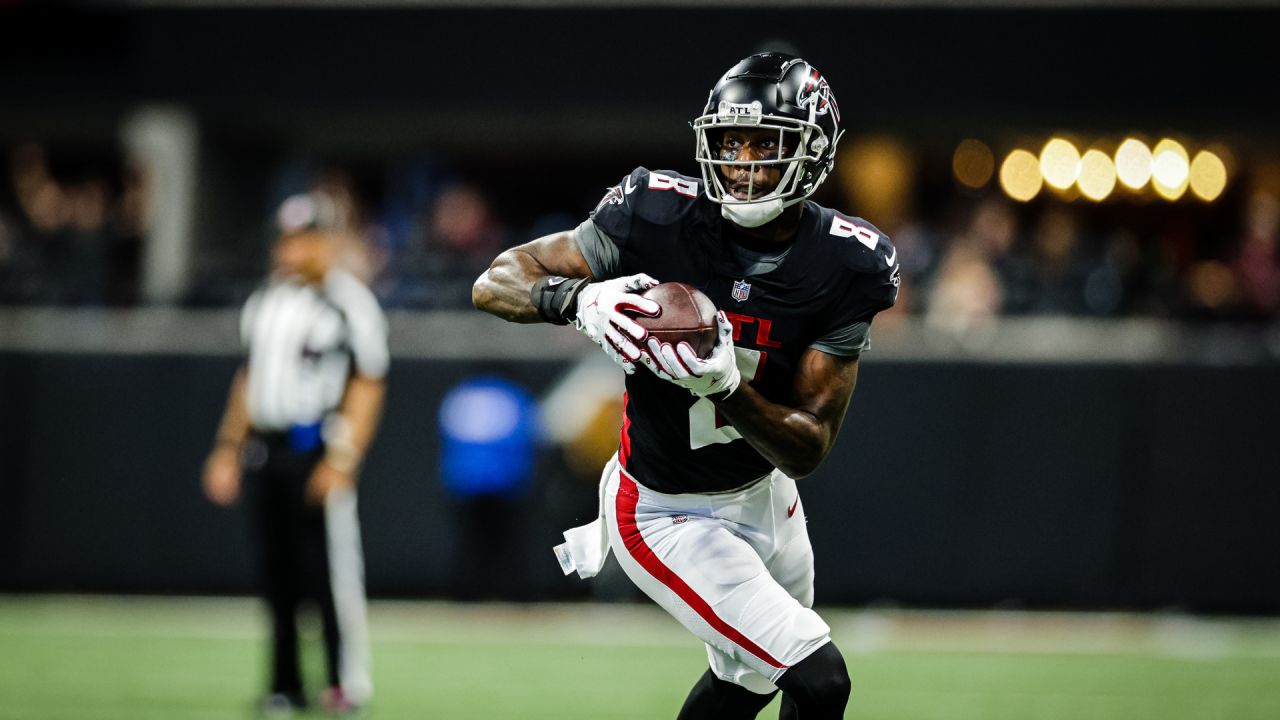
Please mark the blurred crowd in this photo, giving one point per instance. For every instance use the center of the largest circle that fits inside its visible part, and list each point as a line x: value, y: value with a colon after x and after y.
x: 71, y: 229
x: 1060, y: 259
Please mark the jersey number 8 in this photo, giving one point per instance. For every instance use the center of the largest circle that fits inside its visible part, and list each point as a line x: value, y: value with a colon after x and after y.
x: 703, y: 427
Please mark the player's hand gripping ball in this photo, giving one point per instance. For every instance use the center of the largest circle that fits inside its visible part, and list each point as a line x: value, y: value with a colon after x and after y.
x: 685, y: 315
x: 607, y: 313
x: 716, y: 375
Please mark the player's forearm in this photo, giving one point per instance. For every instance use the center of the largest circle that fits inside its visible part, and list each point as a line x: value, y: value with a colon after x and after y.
x: 234, y: 426
x: 503, y: 289
x: 794, y: 440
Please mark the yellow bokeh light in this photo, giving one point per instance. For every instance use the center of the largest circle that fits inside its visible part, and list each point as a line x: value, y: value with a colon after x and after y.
x: 1097, y: 175
x: 1208, y: 176
x: 1226, y: 155
x: 876, y: 172
x: 1020, y: 175
x: 973, y: 163
x: 1133, y: 163
x: 1170, y: 193
x: 1169, y: 169
x: 1059, y: 163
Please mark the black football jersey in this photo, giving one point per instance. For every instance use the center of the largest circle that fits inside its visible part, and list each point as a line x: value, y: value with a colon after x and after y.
x: 839, y: 271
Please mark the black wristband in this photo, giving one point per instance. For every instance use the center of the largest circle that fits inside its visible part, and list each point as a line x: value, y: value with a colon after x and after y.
x: 556, y: 298
x: 721, y: 396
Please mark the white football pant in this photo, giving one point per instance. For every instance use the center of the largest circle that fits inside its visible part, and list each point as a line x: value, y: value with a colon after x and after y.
x: 734, y: 568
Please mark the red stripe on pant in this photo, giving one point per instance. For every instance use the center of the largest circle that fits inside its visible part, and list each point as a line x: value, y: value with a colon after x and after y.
x: 628, y: 496
x: 624, y: 437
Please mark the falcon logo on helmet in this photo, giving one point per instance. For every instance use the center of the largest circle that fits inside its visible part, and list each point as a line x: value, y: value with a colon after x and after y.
x: 773, y: 92
x: 816, y: 90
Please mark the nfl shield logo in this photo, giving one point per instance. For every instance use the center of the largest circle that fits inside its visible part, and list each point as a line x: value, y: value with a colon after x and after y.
x: 741, y: 290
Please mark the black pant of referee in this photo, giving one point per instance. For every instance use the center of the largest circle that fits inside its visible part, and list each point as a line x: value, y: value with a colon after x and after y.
x: 294, y: 557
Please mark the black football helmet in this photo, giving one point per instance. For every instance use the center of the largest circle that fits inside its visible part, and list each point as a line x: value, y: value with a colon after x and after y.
x: 773, y: 91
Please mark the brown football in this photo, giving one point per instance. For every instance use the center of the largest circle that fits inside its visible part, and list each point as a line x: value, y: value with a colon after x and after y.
x: 686, y: 315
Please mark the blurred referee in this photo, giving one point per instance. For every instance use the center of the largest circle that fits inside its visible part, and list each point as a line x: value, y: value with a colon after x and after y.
x: 301, y: 412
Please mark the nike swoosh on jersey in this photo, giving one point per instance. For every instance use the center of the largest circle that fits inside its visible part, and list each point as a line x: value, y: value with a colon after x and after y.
x: 892, y: 256
x: 792, y: 510
x: 629, y: 187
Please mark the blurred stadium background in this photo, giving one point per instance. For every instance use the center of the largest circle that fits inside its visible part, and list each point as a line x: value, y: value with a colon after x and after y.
x: 1056, y: 495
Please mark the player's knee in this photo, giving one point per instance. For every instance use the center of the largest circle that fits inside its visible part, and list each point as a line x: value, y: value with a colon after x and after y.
x: 822, y: 678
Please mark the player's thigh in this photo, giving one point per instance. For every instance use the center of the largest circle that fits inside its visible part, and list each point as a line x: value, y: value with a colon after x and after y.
x: 792, y: 568
x: 791, y: 562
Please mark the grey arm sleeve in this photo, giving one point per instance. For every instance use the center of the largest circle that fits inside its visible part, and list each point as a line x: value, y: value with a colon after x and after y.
x: 599, y: 250
x: 848, y: 341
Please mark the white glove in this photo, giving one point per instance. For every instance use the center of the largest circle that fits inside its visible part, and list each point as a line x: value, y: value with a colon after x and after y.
x: 680, y: 365
x: 600, y: 317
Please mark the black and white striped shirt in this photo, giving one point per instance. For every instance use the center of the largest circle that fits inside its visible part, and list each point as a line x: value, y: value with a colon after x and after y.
x: 303, y: 342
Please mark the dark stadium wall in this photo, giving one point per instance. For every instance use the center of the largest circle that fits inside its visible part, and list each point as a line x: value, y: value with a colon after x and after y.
x: 909, y: 66
x: 1074, y: 486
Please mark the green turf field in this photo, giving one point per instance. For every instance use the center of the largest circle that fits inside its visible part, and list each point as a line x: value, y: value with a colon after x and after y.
x: 179, y: 659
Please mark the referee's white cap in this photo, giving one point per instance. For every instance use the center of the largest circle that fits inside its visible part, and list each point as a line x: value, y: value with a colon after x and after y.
x: 308, y: 211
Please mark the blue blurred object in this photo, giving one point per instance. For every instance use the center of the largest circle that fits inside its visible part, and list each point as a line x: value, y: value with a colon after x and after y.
x: 304, y: 438
x: 488, y: 432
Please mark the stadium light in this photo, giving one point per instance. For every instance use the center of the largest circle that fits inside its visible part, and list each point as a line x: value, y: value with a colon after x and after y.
x: 1208, y: 176
x: 1097, y: 175
x: 973, y: 163
x: 1020, y: 175
x: 1169, y: 169
x: 1059, y: 163
x: 1133, y: 163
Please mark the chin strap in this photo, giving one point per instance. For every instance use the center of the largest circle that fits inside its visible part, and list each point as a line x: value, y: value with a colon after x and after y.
x: 750, y: 214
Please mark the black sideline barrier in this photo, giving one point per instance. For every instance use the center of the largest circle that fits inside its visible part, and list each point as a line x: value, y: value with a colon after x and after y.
x: 1079, y: 486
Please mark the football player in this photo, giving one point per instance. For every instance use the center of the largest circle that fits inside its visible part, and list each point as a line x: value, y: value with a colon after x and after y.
x: 700, y: 504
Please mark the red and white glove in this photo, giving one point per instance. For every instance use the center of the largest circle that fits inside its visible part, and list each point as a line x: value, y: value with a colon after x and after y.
x: 717, y: 375
x: 601, y: 317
